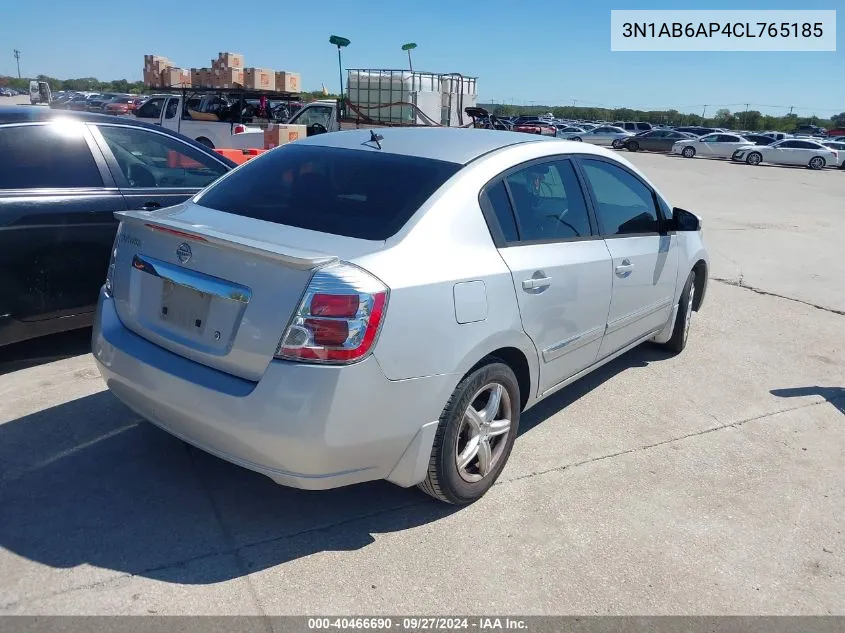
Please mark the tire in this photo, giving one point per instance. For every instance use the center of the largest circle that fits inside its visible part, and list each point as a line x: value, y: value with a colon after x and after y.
x: 206, y: 142
x: 816, y: 162
x: 445, y: 480
x: 688, y: 152
x: 754, y: 158
x: 680, y: 331
x: 633, y: 146
x: 616, y: 144
x: 576, y: 138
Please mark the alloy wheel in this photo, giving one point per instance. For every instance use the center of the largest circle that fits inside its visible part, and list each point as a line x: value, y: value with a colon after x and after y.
x: 483, y: 433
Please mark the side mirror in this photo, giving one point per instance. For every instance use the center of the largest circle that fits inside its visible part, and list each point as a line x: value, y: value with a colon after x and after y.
x: 683, y: 220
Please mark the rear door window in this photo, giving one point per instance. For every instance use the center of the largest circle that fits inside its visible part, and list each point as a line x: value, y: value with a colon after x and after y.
x: 149, y: 159
x: 50, y: 156
x: 361, y: 194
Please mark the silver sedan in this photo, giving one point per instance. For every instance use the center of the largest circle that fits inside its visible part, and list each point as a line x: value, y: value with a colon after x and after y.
x: 354, y: 306
x: 602, y: 135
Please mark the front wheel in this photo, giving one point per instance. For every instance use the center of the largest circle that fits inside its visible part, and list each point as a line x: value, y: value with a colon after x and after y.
x: 817, y: 162
x: 754, y: 158
x: 633, y: 146
x: 680, y: 331
x: 689, y: 152
x: 475, y: 435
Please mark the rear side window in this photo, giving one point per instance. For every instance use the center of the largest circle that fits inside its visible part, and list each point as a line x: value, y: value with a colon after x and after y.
x: 362, y: 194
x: 498, y: 201
x: 51, y: 156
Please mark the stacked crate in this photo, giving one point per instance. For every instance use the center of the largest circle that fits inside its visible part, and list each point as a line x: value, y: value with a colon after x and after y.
x: 227, y: 71
x: 175, y: 78
x: 259, y: 79
x: 287, y: 81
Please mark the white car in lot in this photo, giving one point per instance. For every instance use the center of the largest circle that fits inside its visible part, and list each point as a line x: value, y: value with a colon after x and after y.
x: 792, y: 151
x: 718, y: 144
x: 602, y: 135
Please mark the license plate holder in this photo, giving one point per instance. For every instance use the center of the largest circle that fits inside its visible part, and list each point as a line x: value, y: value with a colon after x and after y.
x: 184, y: 307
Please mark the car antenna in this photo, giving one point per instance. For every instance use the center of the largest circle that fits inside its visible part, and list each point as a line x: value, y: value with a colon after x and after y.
x: 375, y: 138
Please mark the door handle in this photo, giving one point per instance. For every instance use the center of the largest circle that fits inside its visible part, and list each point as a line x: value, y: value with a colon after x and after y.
x: 149, y: 206
x: 536, y: 282
x: 625, y: 268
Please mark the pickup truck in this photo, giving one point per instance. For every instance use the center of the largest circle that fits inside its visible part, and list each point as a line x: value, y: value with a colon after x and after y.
x: 323, y: 116
x: 167, y: 111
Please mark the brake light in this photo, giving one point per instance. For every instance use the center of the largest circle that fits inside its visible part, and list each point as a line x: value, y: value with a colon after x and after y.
x: 239, y: 129
x: 338, y: 319
x: 182, y: 234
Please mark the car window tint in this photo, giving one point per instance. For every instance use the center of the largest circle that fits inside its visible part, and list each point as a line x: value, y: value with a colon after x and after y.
x: 789, y: 145
x: 316, y: 114
x: 624, y: 204
x: 497, y: 199
x: 151, y: 108
x: 170, y: 112
x: 149, y: 159
x: 368, y: 195
x: 548, y: 202
x: 54, y: 155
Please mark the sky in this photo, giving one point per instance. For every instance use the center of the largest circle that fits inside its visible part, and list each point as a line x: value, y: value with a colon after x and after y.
x: 553, y: 53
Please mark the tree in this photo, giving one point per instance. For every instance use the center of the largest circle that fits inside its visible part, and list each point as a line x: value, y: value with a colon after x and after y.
x: 838, y: 120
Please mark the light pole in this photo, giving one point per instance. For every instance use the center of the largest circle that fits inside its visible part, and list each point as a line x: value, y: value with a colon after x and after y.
x: 340, y: 42
x: 409, y: 47
x: 18, y: 60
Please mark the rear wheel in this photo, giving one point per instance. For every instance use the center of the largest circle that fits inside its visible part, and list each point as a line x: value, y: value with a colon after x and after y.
x: 688, y: 152
x: 817, y: 162
x: 576, y: 138
x: 475, y: 435
x: 617, y: 143
x: 754, y: 158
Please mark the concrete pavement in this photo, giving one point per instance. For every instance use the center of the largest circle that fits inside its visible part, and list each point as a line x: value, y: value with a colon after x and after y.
x: 707, y: 483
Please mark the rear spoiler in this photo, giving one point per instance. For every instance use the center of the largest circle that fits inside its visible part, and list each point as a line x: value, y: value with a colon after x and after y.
x: 289, y: 255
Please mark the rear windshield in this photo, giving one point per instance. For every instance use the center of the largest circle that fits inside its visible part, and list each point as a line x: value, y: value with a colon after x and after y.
x: 362, y: 194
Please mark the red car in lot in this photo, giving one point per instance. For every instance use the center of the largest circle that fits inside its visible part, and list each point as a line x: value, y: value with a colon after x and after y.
x: 123, y: 105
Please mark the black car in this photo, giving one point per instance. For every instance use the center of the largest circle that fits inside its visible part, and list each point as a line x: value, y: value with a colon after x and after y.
x: 759, y: 139
x: 63, y: 177
x: 654, y: 140
x: 696, y: 130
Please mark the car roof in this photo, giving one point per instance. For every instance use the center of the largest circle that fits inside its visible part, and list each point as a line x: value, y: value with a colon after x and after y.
x: 33, y: 114
x: 454, y: 145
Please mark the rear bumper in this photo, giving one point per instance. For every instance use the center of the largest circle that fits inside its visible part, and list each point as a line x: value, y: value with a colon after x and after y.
x: 305, y: 426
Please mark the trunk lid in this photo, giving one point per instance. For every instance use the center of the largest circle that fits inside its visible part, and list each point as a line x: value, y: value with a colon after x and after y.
x: 214, y: 287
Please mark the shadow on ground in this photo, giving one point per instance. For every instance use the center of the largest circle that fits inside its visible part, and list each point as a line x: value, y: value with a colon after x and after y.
x: 88, y: 482
x: 43, y: 350
x: 834, y: 395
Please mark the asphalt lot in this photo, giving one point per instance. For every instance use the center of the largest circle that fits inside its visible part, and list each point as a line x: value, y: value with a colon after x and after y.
x: 708, y: 483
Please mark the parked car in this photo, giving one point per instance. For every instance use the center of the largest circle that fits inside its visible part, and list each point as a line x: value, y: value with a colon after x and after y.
x: 839, y: 147
x: 267, y: 320
x: 719, y: 145
x: 789, y: 152
x: 654, y: 140
x: 80, y: 102
x: 123, y: 105
x: 778, y: 136
x: 97, y: 104
x: 633, y: 126
x: 696, y: 130
x: 63, y: 177
x: 602, y: 135
x: 759, y: 139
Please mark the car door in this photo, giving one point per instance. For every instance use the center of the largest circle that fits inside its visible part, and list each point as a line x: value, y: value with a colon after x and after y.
x: 57, y: 200
x: 787, y: 153
x: 652, y: 140
x: 645, y: 259
x: 706, y: 145
x: 561, y: 271
x: 727, y: 144
x: 155, y: 169
x: 169, y: 117
x: 151, y: 110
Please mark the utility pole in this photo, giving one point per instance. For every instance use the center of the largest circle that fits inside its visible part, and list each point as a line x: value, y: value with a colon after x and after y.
x: 18, y: 60
x: 790, y: 109
x: 704, y: 110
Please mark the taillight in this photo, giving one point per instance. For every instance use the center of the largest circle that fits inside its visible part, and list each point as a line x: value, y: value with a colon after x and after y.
x: 239, y: 129
x: 338, y: 319
x: 109, y: 285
